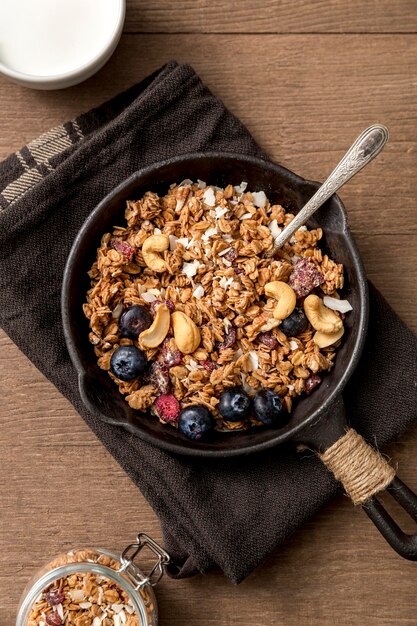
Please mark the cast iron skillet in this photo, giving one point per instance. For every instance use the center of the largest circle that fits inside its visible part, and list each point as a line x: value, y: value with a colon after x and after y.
x: 318, y: 420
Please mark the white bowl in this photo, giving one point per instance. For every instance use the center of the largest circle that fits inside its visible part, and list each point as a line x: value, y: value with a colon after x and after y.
x: 80, y: 72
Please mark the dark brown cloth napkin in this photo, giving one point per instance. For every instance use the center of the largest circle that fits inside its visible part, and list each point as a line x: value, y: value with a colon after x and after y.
x: 215, y: 513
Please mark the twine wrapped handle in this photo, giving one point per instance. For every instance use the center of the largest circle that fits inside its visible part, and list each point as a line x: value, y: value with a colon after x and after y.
x: 362, y: 470
x: 364, y: 473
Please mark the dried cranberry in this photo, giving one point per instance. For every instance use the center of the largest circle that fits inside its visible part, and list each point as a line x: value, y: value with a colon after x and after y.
x: 238, y: 270
x: 167, y: 408
x: 159, y: 377
x: 311, y: 383
x: 54, y: 597
x: 53, y: 619
x: 268, y: 340
x: 157, y: 303
x: 170, y: 354
x: 229, y: 339
x: 305, y: 277
x: 123, y: 248
x: 231, y: 255
x: 209, y: 365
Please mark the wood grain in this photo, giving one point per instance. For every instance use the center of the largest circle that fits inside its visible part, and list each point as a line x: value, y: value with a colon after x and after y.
x: 304, y: 99
x: 272, y: 16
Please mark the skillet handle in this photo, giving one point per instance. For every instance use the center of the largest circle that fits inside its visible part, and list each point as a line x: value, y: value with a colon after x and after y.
x: 364, y: 473
x: 405, y: 545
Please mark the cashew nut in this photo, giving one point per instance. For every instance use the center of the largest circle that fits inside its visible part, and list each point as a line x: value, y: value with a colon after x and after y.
x: 320, y: 317
x: 323, y: 340
x: 186, y: 334
x: 151, y: 248
x: 285, y: 297
x: 156, y: 333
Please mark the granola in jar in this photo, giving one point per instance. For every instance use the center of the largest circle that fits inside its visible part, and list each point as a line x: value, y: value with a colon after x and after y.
x: 81, y: 596
x: 194, y: 321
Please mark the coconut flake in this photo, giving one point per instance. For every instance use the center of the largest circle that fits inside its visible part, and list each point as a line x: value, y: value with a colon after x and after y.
x: 290, y: 387
x: 85, y: 605
x: 237, y: 354
x: 76, y: 595
x: 192, y: 243
x: 259, y: 199
x: 60, y: 610
x: 198, y: 292
x: 157, y: 231
x: 117, y: 607
x: 96, y: 621
x: 295, y: 258
x: 246, y: 216
x: 225, y: 282
x: 226, y: 262
x: 343, y: 306
x: 190, y: 269
x: 253, y: 360
x: 223, y: 252
x: 117, y: 311
x: 201, y: 184
x: 183, y: 241
x: 123, y: 617
x: 210, y: 232
x: 172, y: 242
x: 148, y: 297
x: 209, y: 197
x: 227, y: 324
x: 130, y: 608
x: 302, y: 229
x: 116, y: 620
x: 179, y: 205
x: 293, y: 345
x: 246, y: 386
x: 241, y: 188
x: 228, y: 238
x: 274, y: 228
x: 220, y: 211
x: 186, y: 183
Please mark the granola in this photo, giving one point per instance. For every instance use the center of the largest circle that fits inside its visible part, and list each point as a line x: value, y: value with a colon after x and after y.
x: 222, y: 314
x: 84, y: 598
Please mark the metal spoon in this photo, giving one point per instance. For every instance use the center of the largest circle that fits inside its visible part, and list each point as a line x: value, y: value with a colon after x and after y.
x: 361, y: 152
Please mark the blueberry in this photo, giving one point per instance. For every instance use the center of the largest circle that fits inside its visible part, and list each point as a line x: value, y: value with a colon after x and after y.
x: 133, y: 321
x: 267, y: 406
x: 195, y: 422
x: 128, y: 362
x: 234, y: 404
x: 294, y: 324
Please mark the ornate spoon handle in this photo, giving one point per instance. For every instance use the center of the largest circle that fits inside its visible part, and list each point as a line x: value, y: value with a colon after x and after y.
x: 365, y: 148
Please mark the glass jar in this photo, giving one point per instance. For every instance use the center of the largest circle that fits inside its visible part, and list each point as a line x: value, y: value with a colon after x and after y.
x: 110, y: 583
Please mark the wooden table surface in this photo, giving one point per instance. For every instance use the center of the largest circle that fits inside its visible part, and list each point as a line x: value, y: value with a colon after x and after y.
x: 305, y: 77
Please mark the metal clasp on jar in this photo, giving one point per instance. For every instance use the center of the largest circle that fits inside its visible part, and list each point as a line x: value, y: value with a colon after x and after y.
x: 136, y: 575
